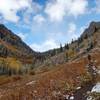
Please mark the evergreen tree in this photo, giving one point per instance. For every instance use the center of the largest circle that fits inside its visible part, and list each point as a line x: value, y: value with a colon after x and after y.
x: 67, y: 46
x: 86, y: 36
x: 61, y: 48
x: 54, y: 52
x: 72, y: 41
x: 66, y: 56
x: 80, y: 40
x: 91, y: 45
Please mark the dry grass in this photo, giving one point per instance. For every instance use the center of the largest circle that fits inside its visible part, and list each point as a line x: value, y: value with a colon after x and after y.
x: 8, y: 79
x: 4, y: 80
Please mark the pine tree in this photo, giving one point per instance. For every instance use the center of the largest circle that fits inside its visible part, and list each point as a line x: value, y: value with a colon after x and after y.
x: 66, y: 56
x: 54, y: 52
x: 72, y: 41
x: 61, y: 48
x: 67, y: 46
x: 86, y: 36
x: 91, y: 45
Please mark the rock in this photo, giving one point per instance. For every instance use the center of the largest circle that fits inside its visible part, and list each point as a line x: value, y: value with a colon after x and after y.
x: 56, y: 93
x: 30, y: 83
x: 98, y: 72
x: 88, y: 92
x: 89, y: 98
x: 66, y: 96
x: 71, y: 98
x: 96, y: 88
x: 35, y: 91
x: 78, y: 88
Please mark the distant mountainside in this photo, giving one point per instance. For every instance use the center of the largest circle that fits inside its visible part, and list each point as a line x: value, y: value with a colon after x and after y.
x: 88, y: 40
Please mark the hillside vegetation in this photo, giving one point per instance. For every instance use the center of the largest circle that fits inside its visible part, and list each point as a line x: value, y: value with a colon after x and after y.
x: 49, y: 75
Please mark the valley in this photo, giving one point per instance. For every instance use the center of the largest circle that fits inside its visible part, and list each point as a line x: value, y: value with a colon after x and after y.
x: 51, y: 75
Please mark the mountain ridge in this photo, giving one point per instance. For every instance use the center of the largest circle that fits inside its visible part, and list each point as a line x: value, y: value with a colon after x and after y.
x: 92, y: 28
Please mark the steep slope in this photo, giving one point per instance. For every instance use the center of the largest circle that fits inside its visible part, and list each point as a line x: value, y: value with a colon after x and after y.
x: 13, y: 44
x: 14, y: 51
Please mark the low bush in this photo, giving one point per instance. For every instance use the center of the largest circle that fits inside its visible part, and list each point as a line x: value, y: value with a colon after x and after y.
x: 32, y: 72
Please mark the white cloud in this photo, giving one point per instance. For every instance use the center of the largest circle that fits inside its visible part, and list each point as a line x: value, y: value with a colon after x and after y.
x: 28, y: 13
x: 55, y: 38
x: 48, y: 44
x: 97, y: 8
x: 58, y: 9
x: 55, y: 11
x: 39, y: 19
x: 36, y: 7
x: 78, y: 7
x: 9, y: 8
x: 72, y: 31
x: 23, y: 36
x: 72, y: 28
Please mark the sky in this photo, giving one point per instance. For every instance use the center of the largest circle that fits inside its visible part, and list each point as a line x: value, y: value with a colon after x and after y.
x: 45, y: 24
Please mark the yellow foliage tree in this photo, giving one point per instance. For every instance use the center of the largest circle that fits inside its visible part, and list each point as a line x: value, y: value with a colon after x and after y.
x: 14, y: 64
x: 71, y: 53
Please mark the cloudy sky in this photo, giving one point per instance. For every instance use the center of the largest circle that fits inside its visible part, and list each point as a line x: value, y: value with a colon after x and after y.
x: 44, y: 24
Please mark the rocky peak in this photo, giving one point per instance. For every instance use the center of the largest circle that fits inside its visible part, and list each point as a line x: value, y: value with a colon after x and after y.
x: 93, y: 27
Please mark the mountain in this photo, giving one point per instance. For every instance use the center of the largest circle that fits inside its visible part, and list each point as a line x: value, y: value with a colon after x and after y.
x: 63, y: 72
x: 13, y: 45
x: 88, y: 40
x: 93, y: 27
x: 16, y: 55
x: 14, y: 50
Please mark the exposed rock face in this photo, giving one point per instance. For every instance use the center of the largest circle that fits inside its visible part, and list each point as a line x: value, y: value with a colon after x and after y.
x: 93, y: 27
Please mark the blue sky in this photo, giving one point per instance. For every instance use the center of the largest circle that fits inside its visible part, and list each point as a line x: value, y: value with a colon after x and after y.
x: 44, y: 24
